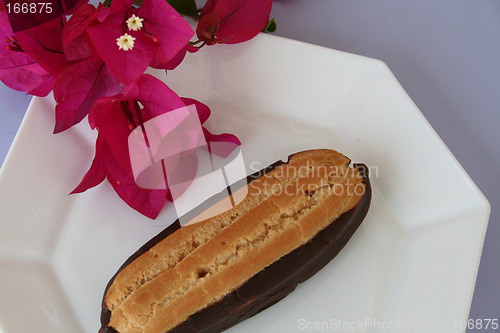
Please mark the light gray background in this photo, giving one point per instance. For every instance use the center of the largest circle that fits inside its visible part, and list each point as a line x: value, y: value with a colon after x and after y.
x: 445, y: 53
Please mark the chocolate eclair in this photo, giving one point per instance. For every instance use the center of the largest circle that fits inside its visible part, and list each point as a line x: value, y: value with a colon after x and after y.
x: 207, y: 276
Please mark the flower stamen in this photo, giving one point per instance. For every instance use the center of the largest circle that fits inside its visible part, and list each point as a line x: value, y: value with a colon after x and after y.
x: 134, y: 23
x: 125, y: 42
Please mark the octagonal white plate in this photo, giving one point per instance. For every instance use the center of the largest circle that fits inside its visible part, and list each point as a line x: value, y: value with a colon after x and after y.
x: 410, y: 267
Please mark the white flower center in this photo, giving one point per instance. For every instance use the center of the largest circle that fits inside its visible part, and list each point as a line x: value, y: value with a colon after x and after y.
x: 125, y: 42
x: 134, y: 23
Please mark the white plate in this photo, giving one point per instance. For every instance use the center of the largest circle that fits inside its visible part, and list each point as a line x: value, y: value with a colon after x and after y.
x: 411, y: 266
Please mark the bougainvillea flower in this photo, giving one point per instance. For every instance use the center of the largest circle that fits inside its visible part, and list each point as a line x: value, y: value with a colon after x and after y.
x: 162, y: 35
x: 18, y: 69
x: 44, y: 44
x: 89, y: 78
x: 220, y: 144
x: 176, y: 60
x: 134, y: 23
x: 119, y: 116
x: 76, y: 43
x: 115, y: 118
x: 78, y: 87
x: 125, y: 42
x: 168, y: 28
x: 232, y: 21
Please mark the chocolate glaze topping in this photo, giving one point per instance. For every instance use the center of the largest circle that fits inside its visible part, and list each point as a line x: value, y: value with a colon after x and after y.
x: 274, y: 282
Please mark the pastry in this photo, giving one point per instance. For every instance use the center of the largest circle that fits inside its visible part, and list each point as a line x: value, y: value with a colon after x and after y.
x: 210, y: 275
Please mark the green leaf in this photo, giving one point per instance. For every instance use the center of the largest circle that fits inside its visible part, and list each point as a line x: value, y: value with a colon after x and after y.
x: 270, y: 27
x: 185, y: 7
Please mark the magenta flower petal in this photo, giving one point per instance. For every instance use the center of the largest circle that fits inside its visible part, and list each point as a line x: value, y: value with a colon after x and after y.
x: 232, y: 21
x: 48, y: 35
x: 167, y: 26
x: 18, y: 69
x: 117, y: 6
x: 145, y: 201
x: 172, y: 63
x: 43, y: 43
x: 202, y: 109
x: 115, y: 123
x: 74, y: 35
x: 103, y: 12
x: 221, y: 144
x: 20, y: 72
x: 78, y: 49
x: 44, y: 88
x: 176, y: 60
x: 78, y: 87
x: 208, y: 7
x: 98, y: 171
x: 78, y: 23
x: 156, y: 97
